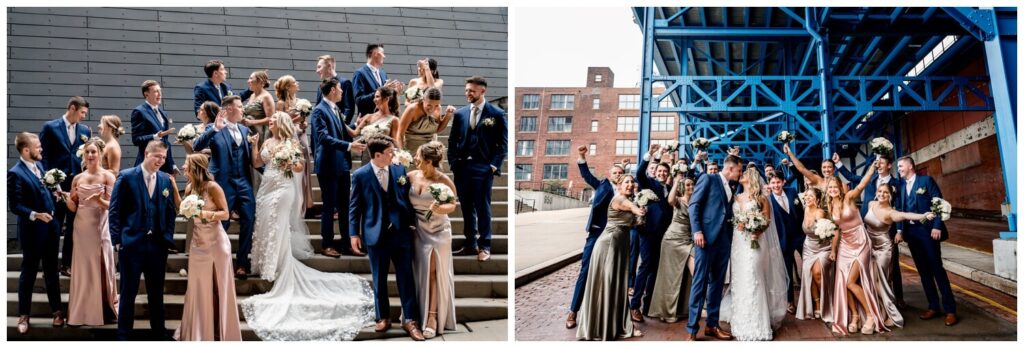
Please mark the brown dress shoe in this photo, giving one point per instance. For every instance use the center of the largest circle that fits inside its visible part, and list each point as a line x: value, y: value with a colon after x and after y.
x: 691, y: 337
x: 414, y: 330
x: 570, y: 322
x: 951, y: 319
x: 636, y: 316
x: 58, y: 319
x: 330, y: 252
x: 23, y: 324
x: 718, y: 333
x: 929, y: 314
x: 382, y: 325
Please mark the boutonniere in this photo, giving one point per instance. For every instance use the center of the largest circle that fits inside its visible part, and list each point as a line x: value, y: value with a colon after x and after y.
x: 402, y: 181
x: 166, y: 193
x: 488, y: 122
x: 84, y: 138
x: 229, y: 93
x: 796, y: 201
x: 920, y: 190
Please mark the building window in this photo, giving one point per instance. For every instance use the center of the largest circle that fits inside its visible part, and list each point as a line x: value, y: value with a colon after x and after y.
x: 557, y: 148
x: 593, y: 149
x: 531, y: 101
x: 563, y: 101
x: 627, y: 124
x: 593, y: 125
x: 524, y: 148
x: 626, y: 147
x: 560, y: 124
x: 629, y: 102
x: 597, y: 103
x: 556, y: 171
x: 527, y: 124
x: 662, y: 123
x: 524, y: 172
x: 667, y: 103
x: 597, y: 78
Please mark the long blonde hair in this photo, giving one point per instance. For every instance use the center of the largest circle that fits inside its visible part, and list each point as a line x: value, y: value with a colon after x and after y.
x: 754, y: 181
x: 284, y: 125
x: 829, y: 201
x: 198, y: 174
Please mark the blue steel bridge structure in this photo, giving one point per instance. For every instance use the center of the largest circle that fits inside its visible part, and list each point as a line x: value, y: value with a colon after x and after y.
x: 835, y: 76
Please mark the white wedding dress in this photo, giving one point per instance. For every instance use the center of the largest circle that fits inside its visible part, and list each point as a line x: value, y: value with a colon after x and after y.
x: 304, y: 303
x: 755, y: 302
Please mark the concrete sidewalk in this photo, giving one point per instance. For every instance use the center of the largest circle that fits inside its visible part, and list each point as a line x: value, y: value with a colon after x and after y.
x: 547, y: 241
x: 972, y: 264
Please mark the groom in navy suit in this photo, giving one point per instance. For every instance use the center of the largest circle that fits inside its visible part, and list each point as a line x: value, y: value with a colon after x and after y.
x: 332, y: 163
x: 710, y: 213
x: 150, y: 122
x: 61, y: 138
x: 142, y: 212
x: 230, y: 164
x: 477, y: 146
x: 916, y: 193
x: 38, y: 231
x: 381, y: 208
x: 368, y: 78
x: 787, y: 215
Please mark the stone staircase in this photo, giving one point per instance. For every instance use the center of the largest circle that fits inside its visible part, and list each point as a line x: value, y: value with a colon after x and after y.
x: 481, y: 288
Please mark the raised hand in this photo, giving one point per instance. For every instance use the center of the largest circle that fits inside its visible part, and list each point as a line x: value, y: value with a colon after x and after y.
x: 835, y: 157
x: 785, y: 148
x: 254, y: 138
x: 221, y: 121
x: 655, y: 148
x: 734, y: 151
x: 583, y: 150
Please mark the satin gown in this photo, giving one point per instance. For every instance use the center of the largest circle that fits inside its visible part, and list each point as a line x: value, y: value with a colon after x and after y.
x: 881, y: 252
x: 604, y: 314
x: 433, y: 239
x: 93, y: 287
x: 854, y: 247
x: 815, y: 251
x: 672, y: 284
x: 211, y: 312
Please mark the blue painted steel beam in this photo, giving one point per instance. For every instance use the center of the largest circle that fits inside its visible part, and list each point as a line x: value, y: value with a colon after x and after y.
x: 646, y: 81
x: 1001, y: 58
x: 980, y: 23
x: 710, y: 33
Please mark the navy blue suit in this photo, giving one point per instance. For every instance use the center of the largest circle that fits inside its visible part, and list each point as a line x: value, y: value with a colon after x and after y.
x: 206, y: 91
x: 332, y: 163
x: 347, y: 104
x: 143, y: 226
x: 471, y: 153
x: 388, y: 222
x: 363, y: 86
x: 710, y: 214
x: 927, y: 252
x: 896, y: 277
x: 59, y: 153
x: 791, y: 234
x: 659, y: 216
x: 603, y: 193
x: 229, y: 165
x: 145, y: 125
x: 39, y: 240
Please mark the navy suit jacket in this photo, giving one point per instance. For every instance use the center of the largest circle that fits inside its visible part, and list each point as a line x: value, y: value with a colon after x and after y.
x: 26, y: 194
x: 347, y: 104
x: 59, y: 151
x: 364, y: 85
x: 872, y: 188
x: 921, y: 202
x: 788, y: 224
x: 330, y: 141
x: 206, y: 91
x: 145, y: 125
x: 366, y: 206
x: 710, y: 209
x: 133, y: 213
x: 604, y: 191
x: 659, y: 214
x: 486, y: 143
x: 220, y: 144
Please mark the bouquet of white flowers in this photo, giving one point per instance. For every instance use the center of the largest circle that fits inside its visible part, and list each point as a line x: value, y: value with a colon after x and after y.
x: 372, y: 130
x: 303, y: 107
x: 81, y: 151
x: 52, y: 179
x: 188, y: 133
x: 191, y: 206
x: 672, y: 147
x: 753, y: 222
x: 413, y: 93
x: 679, y: 168
x: 941, y: 208
x: 644, y: 198
x: 287, y: 155
x: 881, y: 146
x: 825, y: 229
x: 402, y: 157
x: 786, y: 137
x: 442, y: 195
x: 701, y: 143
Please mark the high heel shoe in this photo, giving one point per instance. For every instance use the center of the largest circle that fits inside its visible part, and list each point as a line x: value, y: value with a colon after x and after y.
x: 430, y: 331
x: 869, y: 326
x: 854, y: 325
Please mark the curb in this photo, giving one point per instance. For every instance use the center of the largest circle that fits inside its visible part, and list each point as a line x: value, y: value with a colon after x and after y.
x: 532, y: 273
x: 985, y: 278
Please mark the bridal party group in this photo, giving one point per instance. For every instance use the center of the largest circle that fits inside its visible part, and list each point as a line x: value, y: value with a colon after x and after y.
x: 250, y: 159
x: 735, y: 242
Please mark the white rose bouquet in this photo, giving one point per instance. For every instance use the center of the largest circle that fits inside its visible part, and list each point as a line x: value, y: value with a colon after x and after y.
x: 191, y: 207
x: 372, y: 130
x: 413, y: 93
x: 52, y: 180
x: 188, y: 133
x: 80, y: 152
x: 402, y: 157
x: 287, y: 155
x: 303, y: 107
x: 643, y: 199
x: 825, y: 229
x: 442, y: 195
x: 786, y: 137
x: 672, y: 147
x: 701, y: 143
x: 753, y: 222
x: 881, y: 146
x: 941, y: 208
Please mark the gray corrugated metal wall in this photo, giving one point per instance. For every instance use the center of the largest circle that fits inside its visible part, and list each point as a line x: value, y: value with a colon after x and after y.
x: 104, y: 54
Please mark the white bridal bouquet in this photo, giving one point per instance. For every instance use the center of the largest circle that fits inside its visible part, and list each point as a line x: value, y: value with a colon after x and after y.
x: 753, y: 222
x: 678, y: 168
x: 402, y: 157
x: 644, y: 198
x: 442, y: 195
x: 786, y: 137
x: 188, y: 133
x: 372, y: 130
x: 52, y: 179
x: 672, y: 147
x: 881, y: 146
x: 303, y: 107
x: 287, y: 155
x: 941, y: 208
x: 413, y: 93
x: 191, y: 206
x: 81, y: 151
x: 701, y: 143
x: 825, y: 229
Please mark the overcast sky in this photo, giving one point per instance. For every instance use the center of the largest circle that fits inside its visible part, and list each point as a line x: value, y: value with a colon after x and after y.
x: 554, y: 46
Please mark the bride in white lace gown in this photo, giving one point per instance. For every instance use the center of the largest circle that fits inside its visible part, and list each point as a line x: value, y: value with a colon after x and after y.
x: 755, y: 301
x: 304, y: 303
